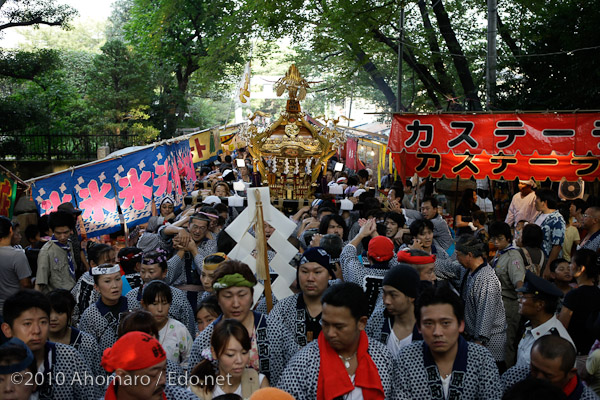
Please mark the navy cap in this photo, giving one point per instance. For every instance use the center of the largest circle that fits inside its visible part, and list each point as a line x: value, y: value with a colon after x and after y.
x: 320, y: 256
x: 536, y: 285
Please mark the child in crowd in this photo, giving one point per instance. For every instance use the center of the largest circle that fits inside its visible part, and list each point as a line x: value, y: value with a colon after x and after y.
x: 173, y: 335
x: 208, y: 311
x: 560, y: 272
x: 519, y: 232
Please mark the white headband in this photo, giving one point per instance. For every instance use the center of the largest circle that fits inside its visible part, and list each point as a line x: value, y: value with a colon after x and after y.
x: 106, y: 271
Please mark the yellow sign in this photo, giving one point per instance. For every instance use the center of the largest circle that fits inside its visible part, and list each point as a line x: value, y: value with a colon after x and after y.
x: 205, y: 146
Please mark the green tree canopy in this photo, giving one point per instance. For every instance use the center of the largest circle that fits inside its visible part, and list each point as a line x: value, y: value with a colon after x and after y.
x: 551, y: 57
x: 545, y: 49
x: 185, y: 36
x: 84, y: 35
x: 120, y: 86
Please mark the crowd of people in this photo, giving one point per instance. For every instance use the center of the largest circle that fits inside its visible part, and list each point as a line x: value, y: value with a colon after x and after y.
x: 390, y: 302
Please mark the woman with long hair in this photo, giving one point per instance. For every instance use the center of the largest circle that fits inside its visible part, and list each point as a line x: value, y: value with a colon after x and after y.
x: 230, y: 351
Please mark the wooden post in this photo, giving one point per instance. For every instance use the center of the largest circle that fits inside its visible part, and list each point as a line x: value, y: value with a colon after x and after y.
x: 262, y: 258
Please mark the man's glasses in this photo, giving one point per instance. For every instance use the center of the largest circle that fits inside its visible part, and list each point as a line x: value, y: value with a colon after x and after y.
x: 197, y: 228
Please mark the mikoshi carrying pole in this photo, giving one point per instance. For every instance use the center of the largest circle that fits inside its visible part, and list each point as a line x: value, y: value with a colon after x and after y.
x: 262, y: 258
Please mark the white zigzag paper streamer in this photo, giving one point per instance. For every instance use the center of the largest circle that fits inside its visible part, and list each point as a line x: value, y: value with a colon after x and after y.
x: 246, y: 243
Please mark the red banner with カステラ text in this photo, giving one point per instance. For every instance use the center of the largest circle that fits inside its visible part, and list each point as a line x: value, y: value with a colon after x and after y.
x: 481, y: 166
x: 508, y: 133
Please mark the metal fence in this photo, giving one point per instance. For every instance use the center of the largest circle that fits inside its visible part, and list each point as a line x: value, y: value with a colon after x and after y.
x: 22, y: 146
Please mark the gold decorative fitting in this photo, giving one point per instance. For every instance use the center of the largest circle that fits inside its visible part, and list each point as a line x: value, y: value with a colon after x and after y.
x: 291, y: 153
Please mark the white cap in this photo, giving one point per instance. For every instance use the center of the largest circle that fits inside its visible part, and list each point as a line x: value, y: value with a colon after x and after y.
x: 346, y: 204
x: 358, y: 192
x: 211, y: 200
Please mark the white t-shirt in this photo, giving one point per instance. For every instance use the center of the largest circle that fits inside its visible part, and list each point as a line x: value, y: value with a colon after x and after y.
x: 217, y: 391
x: 357, y: 393
x: 394, y: 344
x: 446, y: 385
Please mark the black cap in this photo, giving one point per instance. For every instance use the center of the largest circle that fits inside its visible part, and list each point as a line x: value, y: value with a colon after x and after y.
x: 536, y: 285
x: 404, y: 278
x: 68, y: 207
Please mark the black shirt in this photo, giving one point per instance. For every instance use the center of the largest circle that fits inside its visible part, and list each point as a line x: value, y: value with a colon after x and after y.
x: 585, y: 304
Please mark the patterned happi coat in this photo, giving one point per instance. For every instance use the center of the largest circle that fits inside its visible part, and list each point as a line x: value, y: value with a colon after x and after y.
x: 275, y: 346
x: 485, y: 318
x: 84, y: 294
x: 291, y: 311
x: 88, y: 347
x: 177, y: 274
x: 99, y: 322
x: 520, y: 372
x: 65, y: 371
x: 379, y: 326
x: 368, y: 278
x: 474, y: 375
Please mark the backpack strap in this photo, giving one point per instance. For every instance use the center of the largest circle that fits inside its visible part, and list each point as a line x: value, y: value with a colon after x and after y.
x: 526, y: 258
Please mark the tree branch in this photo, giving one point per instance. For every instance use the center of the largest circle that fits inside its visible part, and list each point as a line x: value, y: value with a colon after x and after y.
x: 35, y: 21
x: 334, y: 54
x: 505, y: 35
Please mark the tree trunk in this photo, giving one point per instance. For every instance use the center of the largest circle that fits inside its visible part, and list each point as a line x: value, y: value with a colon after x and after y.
x: 460, y: 62
x: 375, y: 75
x: 438, y: 63
x: 430, y: 83
x: 178, y: 106
x: 505, y: 35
